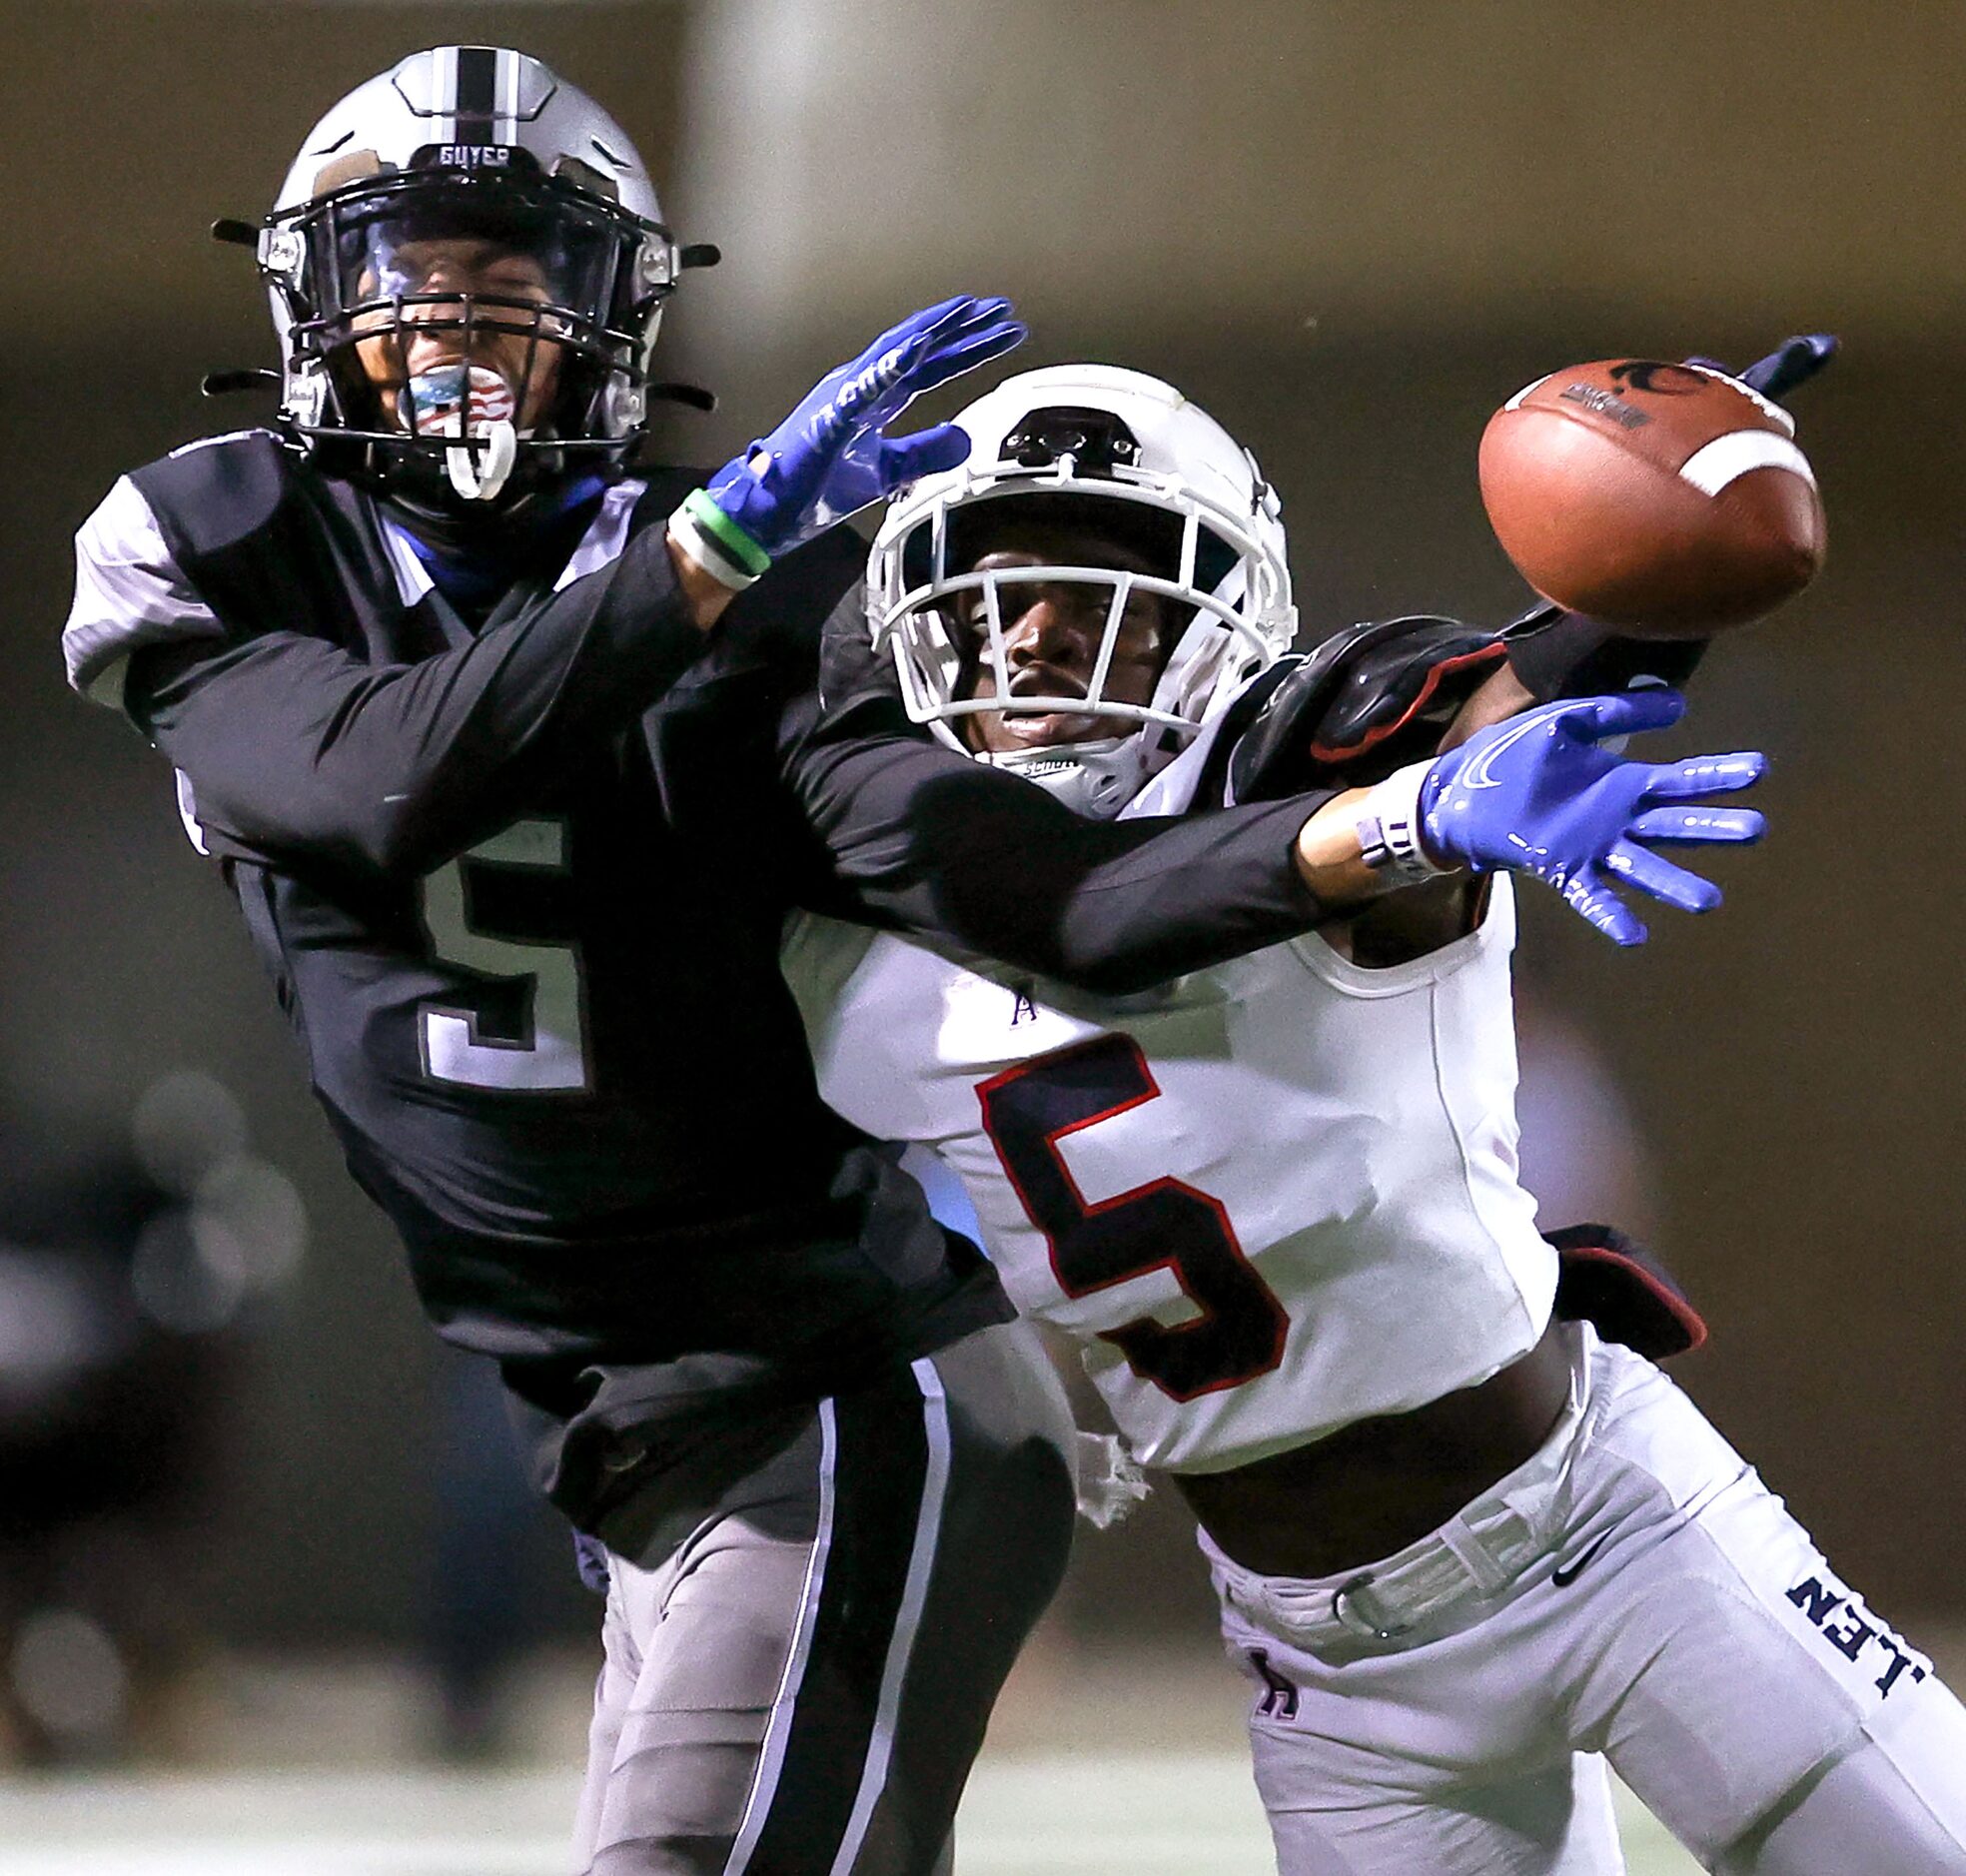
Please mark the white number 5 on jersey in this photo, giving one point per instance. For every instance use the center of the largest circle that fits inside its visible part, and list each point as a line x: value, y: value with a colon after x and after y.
x: 547, y: 1050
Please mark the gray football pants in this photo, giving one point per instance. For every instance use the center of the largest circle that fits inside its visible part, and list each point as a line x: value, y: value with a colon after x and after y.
x: 798, y: 1684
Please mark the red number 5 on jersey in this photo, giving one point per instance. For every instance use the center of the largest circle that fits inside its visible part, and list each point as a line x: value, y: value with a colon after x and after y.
x: 1164, y: 1225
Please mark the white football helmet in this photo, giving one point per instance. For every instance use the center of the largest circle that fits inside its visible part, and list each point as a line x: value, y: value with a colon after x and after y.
x: 1116, y: 452
x: 482, y: 141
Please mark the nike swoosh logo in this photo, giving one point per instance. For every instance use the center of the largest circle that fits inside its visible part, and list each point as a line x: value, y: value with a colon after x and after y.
x: 1476, y: 774
x: 1563, y: 1578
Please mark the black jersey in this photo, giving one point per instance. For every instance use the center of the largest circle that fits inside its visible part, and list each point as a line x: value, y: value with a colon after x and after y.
x: 520, y: 889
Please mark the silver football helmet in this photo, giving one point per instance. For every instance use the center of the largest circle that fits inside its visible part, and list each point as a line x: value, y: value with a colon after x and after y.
x: 1123, y: 456
x: 482, y: 151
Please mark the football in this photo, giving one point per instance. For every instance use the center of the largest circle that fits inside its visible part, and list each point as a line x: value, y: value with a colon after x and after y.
x: 1669, y: 501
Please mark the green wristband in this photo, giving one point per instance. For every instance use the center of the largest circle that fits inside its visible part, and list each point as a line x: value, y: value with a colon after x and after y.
x: 707, y: 552
x: 725, y: 532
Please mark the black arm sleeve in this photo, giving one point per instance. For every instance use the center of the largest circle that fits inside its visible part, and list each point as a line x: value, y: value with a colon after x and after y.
x: 921, y: 838
x: 298, y: 750
x: 1562, y: 655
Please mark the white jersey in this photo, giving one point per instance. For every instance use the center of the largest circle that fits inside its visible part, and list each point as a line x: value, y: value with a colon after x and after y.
x: 1270, y: 1198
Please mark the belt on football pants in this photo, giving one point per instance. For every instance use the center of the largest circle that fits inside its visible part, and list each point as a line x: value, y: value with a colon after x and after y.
x: 1476, y: 1553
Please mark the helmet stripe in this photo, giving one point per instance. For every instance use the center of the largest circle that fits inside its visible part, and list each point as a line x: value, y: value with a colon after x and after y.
x: 478, y: 94
x: 506, y: 130
x: 443, y: 94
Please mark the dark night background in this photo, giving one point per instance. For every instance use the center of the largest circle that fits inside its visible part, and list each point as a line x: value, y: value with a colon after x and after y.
x: 1349, y: 231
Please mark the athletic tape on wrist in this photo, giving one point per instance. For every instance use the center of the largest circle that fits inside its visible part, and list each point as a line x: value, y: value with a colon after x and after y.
x: 738, y: 548
x: 1388, y: 827
x: 707, y: 552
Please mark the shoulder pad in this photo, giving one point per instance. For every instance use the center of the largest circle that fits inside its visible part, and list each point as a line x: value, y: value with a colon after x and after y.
x: 1623, y: 1290
x: 1364, y: 703
x: 129, y: 593
x: 210, y: 493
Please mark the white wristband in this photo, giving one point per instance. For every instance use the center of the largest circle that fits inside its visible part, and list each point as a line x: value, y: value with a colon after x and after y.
x: 694, y: 539
x: 1388, y: 827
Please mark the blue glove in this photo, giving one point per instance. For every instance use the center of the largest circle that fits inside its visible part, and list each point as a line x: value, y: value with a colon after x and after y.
x: 1795, y: 361
x: 1537, y: 796
x: 829, y: 459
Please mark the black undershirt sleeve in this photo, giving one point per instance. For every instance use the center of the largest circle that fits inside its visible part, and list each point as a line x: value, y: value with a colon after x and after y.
x: 916, y: 836
x: 924, y: 839
x: 298, y: 750
x: 1561, y: 654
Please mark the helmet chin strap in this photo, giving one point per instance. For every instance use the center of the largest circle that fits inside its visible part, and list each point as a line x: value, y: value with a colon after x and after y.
x: 1096, y: 779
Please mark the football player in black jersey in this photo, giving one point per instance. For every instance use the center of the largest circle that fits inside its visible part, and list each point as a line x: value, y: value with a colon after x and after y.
x: 512, y: 754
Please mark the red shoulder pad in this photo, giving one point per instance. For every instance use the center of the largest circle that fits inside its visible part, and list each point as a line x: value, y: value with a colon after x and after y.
x: 1366, y: 702
x: 1623, y: 1290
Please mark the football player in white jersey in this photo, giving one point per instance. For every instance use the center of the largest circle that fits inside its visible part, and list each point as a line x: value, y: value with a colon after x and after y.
x: 1466, y: 1540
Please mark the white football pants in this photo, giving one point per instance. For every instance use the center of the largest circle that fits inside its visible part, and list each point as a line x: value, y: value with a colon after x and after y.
x: 1635, y: 1590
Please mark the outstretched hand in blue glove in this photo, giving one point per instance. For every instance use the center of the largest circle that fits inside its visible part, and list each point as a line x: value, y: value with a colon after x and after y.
x: 831, y: 456
x: 1795, y: 361
x: 1538, y: 794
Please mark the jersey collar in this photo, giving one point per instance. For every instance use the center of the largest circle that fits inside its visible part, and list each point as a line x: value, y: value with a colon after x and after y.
x: 607, y: 535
